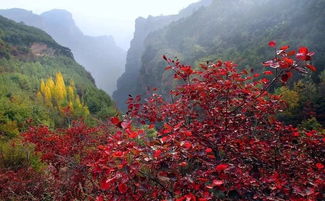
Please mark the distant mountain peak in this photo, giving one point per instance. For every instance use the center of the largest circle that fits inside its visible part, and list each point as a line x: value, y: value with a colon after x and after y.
x: 59, y: 16
x: 58, y: 13
x: 19, y: 10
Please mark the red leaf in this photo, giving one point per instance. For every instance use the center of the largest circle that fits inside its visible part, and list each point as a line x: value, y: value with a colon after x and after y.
x: 286, y: 62
x: 164, y: 139
x: 301, y: 56
x: 271, y: 64
x: 229, y: 64
x: 319, y: 166
x: 268, y: 73
x: 272, y: 43
x: 291, y: 53
x: 104, y: 185
x: 126, y: 124
x: 284, y: 78
x: 310, y: 54
x: 219, y: 63
x: 188, y: 197
x: 268, y: 63
x: 157, y: 153
x: 187, y: 69
x: 187, y: 145
x: 289, y: 61
x: 167, y: 129
x: 278, y: 52
x: 122, y: 188
x: 303, y: 50
x: 133, y: 134
x: 217, y: 182
x: 311, y: 67
x: 208, y: 150
x: 118, y: 154
x: 187, y: 133
x: 99, y: 198
x: 310, y: 134
x: 115, y: 120
x: 221, y: 167
x: 284, y: 47
x: 264, y: 80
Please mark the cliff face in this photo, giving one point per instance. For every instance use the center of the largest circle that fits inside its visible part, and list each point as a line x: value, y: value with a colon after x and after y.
x: 100, y: 55
x: 127, y: 83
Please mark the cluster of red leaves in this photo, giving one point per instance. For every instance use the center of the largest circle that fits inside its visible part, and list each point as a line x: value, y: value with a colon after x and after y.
x: 216, y: 139
x: 24, y: 184
x: 286, y: 62
x: 67, y: 152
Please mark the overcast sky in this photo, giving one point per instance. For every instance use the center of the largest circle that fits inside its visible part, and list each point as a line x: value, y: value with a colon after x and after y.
x: 100, y: 17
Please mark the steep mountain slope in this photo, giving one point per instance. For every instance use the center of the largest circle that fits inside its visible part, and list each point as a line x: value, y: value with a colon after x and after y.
x: 99, y: 55
x: 143, y: 27
x: 234, y: 30
x: 238, y: 30
x: 28, y: 56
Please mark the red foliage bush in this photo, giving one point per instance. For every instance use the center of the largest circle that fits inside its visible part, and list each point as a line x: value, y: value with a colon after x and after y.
x: 68, y: 153
x: 215, y: 139
x: 24, y: 184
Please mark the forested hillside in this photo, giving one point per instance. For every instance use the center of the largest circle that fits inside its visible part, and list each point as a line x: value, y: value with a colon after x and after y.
x: 30, y: 57
x: 99, y: 55
x: 238, y: 30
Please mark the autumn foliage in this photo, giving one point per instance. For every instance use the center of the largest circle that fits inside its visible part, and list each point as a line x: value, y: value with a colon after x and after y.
x: 56, y: 95
x: 215, y: 138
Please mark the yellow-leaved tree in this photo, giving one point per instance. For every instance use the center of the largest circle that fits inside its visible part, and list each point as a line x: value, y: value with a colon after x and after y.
x: 55, y: 94
x: 59, y: 91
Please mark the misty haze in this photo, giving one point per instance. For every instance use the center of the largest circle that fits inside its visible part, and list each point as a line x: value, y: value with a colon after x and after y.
x: 171, y: 100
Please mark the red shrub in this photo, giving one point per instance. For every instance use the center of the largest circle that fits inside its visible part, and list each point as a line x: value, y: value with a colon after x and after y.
x: 216, y: 139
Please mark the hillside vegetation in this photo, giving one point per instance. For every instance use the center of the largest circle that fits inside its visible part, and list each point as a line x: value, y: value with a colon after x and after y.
x: 28, y: 56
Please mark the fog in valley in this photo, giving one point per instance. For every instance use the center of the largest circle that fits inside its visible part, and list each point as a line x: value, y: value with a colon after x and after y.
x: 104, y: 17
